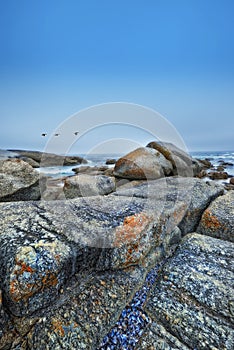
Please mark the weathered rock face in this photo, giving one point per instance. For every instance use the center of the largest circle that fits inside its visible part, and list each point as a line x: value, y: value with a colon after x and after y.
x: 218, y: 219
x: 68, y: 268
x: 68, y: 237
x: 191, y: 305
x: 18, y: 181
x: 87, y: 185
x: 83, y: 320
x: 143, y: 163
x: 195, y: 194
x: 49, y: 251
x: 49, y: 159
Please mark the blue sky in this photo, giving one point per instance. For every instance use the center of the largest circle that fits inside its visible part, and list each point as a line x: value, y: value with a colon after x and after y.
x: 175, y: 56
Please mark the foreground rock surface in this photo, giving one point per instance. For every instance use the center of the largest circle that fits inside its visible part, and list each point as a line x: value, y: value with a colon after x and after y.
x: 43, y: 244
x: 18, y: 181
x: 69, y: 267
x: 191, y: 305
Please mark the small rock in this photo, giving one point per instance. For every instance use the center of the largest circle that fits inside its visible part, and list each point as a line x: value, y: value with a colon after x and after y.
x: 218, y: 175
x: 110, y: 161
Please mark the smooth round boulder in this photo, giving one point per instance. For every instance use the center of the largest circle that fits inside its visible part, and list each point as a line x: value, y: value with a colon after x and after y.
x: 143, y: 164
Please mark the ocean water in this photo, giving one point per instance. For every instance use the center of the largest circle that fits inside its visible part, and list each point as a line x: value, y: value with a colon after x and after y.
x: 93, y: 160
x: 217, y: 157
x: 100, y: 159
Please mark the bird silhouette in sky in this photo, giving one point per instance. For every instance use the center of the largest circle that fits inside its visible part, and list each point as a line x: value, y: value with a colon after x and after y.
x: 57, y: 134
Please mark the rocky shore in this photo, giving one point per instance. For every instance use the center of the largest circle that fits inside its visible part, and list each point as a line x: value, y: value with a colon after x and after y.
x: 137, y: 256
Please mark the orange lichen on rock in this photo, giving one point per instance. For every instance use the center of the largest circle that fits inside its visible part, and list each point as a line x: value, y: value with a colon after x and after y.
x: 23, y: 268
x: 22, y: 291
x: 49, y: 280
x: 178, y: 214
x: 211, y: 221
x: 131, y: 229
x: 58, y: 327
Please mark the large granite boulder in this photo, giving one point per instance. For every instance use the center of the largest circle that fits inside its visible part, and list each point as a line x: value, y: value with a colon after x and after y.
x: 181, y: 161
x: 143, y: 163
x: 18, y: 181
x: 48, y: 159
x: 88, y: 185
x: 218, y: 219
x: 183, y: 164
x: 191, y: 304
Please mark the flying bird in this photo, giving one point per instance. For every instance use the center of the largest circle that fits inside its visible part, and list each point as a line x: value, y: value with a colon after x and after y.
x: 56, y: 134
x: 43, y: 134
x: 76, y: 132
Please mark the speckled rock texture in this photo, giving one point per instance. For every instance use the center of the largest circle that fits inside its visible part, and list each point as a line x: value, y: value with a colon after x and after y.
x: 194, y: 193
x: 43, y: 244
x: 18, y: 181
x: 192, y: 302
x: 88, y: 185
x: 218, y: 219
x: 156, y: 337
x: 68, y: 268
x: 143, y: 163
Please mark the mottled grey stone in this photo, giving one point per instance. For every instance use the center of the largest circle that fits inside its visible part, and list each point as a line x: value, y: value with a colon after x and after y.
x: 87, y: 313
x: 18, y: 181
x: 194, y: 193
x: 43, y: 244
x: 218, y: 219
x: 193, y: 298
x: 156, y: 337
x: 88, y: 185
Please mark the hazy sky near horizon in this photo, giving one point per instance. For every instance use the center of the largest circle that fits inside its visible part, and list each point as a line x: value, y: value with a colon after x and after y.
x: 174, y: 56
